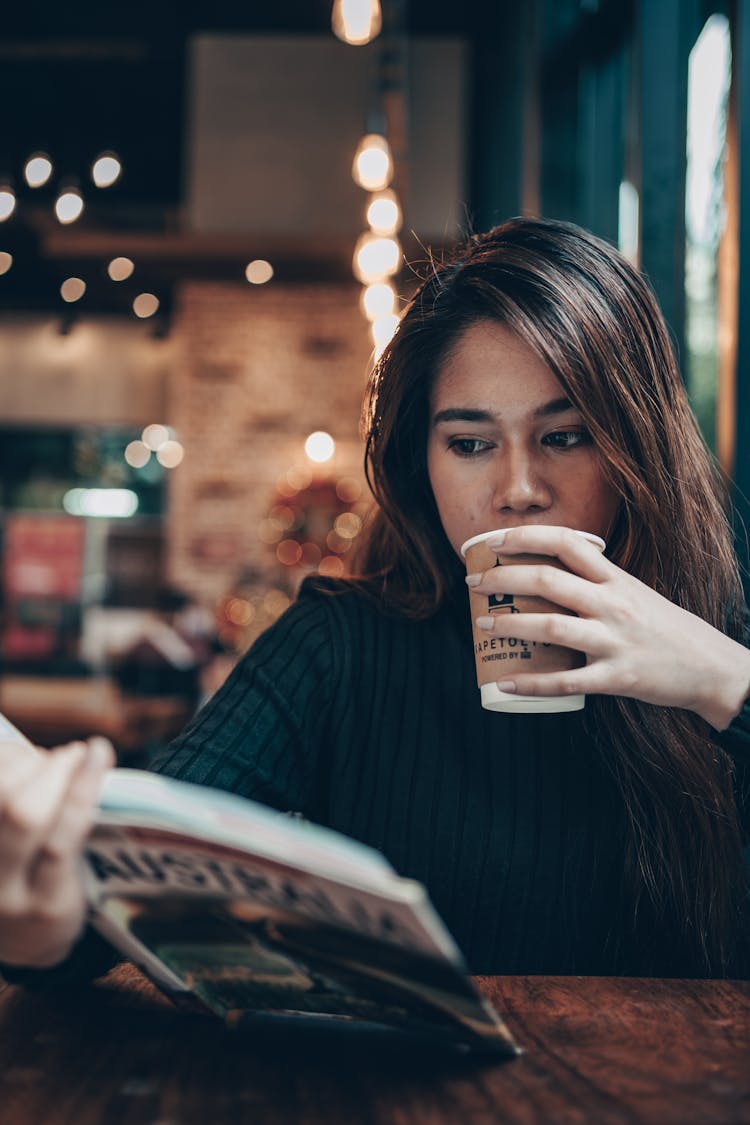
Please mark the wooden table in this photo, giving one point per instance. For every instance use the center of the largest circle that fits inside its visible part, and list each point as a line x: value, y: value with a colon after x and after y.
x: 597, y: 1051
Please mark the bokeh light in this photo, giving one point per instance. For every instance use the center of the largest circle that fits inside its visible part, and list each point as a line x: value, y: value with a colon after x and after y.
x: 170, y: 454
x: 137, y: 454
x: 259, y: 271
x: 120, y: 269
x: 7, y: 203
x: 72, y: 289
x: 331, y: 566
x: 320, y: 446
x: 69, y: 206
x: 372, y: 168
x: 348, y: 490
x: 37, y: 170
x: 106, y: 170
x: 384, y: 212
x: 155, y: 435
x: 375, y: 257
x: 145, y: 305
x: 289, y: 552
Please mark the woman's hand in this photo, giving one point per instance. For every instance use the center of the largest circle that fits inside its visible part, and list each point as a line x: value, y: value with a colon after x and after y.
x: 47, y: 806
x: 636, y: 642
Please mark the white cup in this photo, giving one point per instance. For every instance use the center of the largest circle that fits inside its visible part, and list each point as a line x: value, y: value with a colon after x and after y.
x: 498, y: 658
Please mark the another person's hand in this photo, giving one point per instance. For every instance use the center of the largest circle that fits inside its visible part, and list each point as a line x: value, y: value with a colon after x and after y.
x: 47, y: 806
x: 636, y: 642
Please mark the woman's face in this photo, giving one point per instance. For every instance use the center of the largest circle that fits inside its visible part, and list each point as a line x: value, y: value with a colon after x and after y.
x: 506, y: 447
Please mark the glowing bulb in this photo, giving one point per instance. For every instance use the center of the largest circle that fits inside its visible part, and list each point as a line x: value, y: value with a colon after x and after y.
x: 320, y: 447
x: 375, y: 258
x: 68, y: 206
x: 373, y: 164
x: 378, y: 299
x: 105, y: 169
x: 259, y: 272
x: 6, y: 261
x: 145, y: 304
x: 38, y: 170
x: 7, y: 203
x: 356, y: 21
x: 72, y: 289
x: 384, y: 212
x: 120, y: 269
x: 119, y: 503
x: 155, y: 436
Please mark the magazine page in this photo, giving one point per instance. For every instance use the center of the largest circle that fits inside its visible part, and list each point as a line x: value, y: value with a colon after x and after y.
x: 245, y: 959
x: 150, y: 861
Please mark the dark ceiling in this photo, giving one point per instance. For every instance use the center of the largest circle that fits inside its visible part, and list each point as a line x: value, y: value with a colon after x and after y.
x: 84, y: 77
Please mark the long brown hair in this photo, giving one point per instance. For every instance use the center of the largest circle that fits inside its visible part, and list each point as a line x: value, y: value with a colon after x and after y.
x: 594, y: 321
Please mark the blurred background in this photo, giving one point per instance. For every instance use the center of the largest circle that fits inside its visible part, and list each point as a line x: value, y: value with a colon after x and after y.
x: 210, y: 218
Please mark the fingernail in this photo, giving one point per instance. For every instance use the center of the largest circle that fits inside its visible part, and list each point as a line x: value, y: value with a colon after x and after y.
x: 506, y: 685
x: 496, y: 539
x: 485, y: 623
x: 473, y: 579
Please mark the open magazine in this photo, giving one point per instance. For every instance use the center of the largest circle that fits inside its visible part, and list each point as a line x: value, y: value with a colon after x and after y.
x: 231, y: 907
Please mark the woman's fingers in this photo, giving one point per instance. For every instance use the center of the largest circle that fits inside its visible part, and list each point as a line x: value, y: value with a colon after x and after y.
x: 573, y: 550
x: 575, y: 681
x: 32, y: 790
x: 539, y: 581
x: 46, y: 809
x: 545, y: 628
x: 64, y: 841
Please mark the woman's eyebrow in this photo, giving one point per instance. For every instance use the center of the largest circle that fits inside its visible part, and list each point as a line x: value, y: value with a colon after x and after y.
x: 556, y: 406
x: 463, y: 414
x: 467, y: 414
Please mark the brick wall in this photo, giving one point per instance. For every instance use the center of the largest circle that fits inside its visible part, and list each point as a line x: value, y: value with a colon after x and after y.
x: 256, y: 370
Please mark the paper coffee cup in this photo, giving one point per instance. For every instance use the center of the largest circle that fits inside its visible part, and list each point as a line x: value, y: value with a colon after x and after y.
x: 500, y: 658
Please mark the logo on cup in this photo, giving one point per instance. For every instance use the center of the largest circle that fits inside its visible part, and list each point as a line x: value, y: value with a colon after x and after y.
x: 496, y: 603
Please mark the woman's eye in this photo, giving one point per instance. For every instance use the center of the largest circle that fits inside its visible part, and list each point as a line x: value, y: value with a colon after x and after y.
x: 567, y: 439
x: 468, y: 447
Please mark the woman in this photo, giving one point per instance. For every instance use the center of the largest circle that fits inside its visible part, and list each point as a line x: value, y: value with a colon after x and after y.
x: 530, y: 388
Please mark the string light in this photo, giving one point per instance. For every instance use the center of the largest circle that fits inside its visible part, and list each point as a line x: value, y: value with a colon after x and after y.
x: 376, y: 257
x: 72, y: 289
x: 145, y: 305
x: 37, y: 170
x: 259, y: 271
x: 378, y: 299
x: 120, y: 269
x: 372, y: 167
x: 320, y: 446
x: 106, y: 169
x: 69, y: 206
x: 7, y: 202
x: 356, y: 21
x: 137, y: 454
x: 155, y: 435
x: 384, y: 212
x: 6, y: 261
x: 170, y: 454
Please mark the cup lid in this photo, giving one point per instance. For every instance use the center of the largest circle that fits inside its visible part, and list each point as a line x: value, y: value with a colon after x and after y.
x: 595, y: 539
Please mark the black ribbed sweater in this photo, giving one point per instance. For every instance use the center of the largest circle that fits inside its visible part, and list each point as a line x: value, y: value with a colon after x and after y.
x: 372, y: 724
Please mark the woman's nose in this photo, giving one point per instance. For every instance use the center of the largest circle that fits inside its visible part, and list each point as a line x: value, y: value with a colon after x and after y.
x: 519, y: 485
